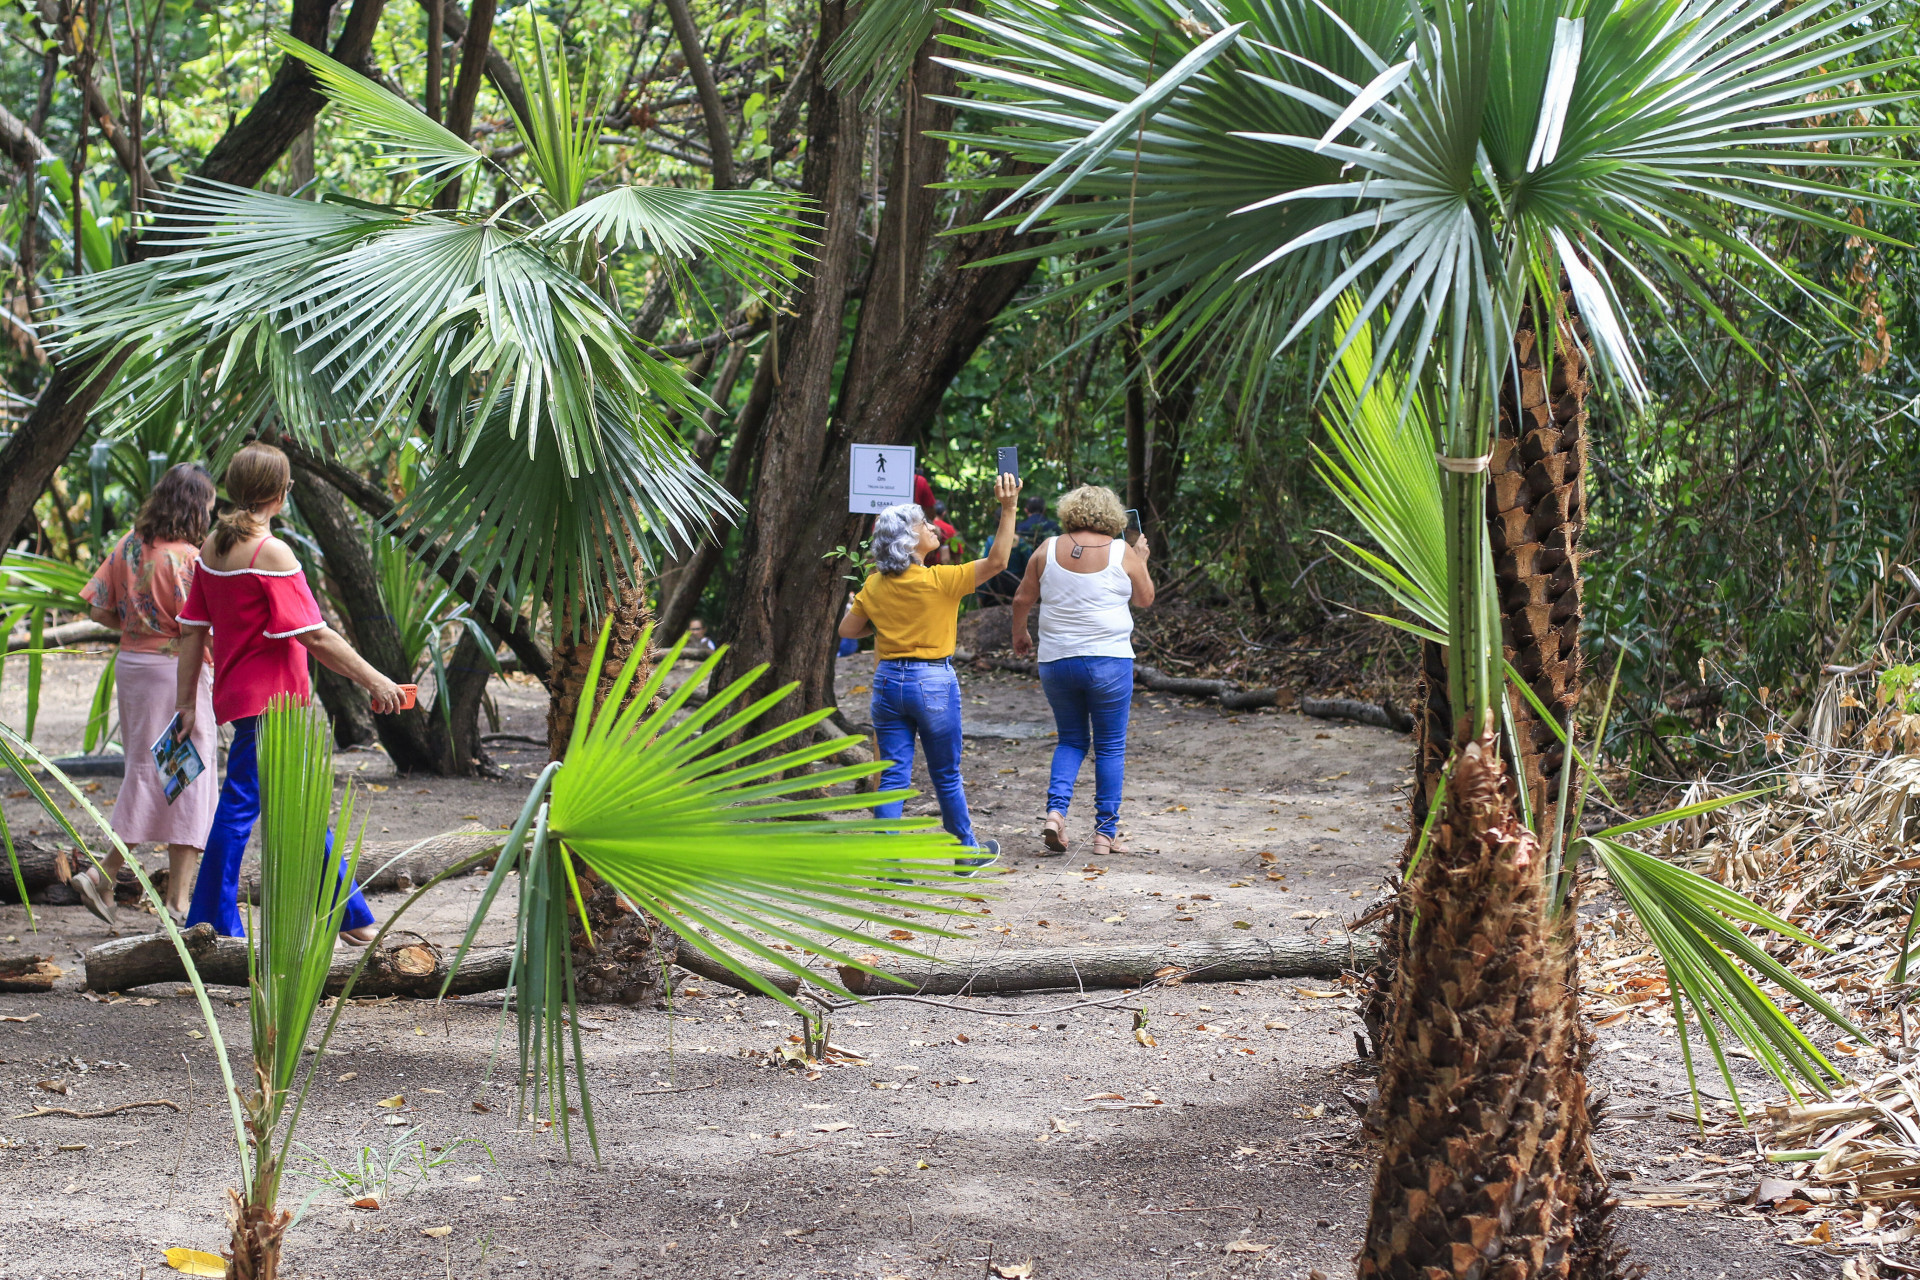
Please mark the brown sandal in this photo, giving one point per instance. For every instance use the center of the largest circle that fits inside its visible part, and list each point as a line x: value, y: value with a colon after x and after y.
x: 87, y: 884
x: 1103, y: 845
x: 1055, y: 833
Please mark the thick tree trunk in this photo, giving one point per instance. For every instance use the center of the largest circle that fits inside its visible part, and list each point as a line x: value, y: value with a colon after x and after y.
x: 572, y: 657
x: 788, y: 593
x: 1482, y: 1104
x: 242, y: 157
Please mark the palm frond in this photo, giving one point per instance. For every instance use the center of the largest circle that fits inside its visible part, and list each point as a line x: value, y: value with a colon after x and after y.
x: 511, y: 507
x: 1711, y: 962
x: 754, y: 237
x: 880, y: 46
x: 562, y: 130
x: 410, y: 138
x: 723, y: 840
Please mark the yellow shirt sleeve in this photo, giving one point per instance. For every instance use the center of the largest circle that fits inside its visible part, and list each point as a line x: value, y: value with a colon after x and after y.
x: 954, y: 580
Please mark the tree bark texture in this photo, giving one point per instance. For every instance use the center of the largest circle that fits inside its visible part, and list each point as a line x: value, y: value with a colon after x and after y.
x: 1482, y: 1102
x: 788, y: 593
x: 572, y: 657
x: 407, y: 969
x: 1536, y: 509
x: 242, y: 157
x: 417, y: 740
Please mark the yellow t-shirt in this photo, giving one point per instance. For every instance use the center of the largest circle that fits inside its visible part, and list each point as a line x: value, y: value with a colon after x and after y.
x: 915, y: 613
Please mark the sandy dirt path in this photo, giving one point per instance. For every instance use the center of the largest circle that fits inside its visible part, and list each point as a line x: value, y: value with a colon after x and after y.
x: 968, y: 1141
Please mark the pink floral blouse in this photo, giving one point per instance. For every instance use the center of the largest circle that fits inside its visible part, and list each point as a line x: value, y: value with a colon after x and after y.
x: 145, y: 584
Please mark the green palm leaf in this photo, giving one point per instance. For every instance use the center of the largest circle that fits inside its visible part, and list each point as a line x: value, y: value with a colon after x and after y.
x: 723, y: 839
x: 411, y: 138
x: 880, y: 46
x: 753, y: 237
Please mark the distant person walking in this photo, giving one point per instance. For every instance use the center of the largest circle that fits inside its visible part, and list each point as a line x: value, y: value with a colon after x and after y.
x: 249, y: 591
x: 138, y: 591
x: 913, y: 611
x: 1086, y: 582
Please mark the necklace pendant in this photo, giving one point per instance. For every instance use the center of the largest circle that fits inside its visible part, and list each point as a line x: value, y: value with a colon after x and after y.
x: 1075, y: 553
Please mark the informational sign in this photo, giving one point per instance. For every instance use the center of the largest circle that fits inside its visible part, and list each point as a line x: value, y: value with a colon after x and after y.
x: 882, y: 477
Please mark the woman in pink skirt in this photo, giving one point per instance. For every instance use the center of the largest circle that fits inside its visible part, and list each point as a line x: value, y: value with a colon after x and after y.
x: 139, y: 591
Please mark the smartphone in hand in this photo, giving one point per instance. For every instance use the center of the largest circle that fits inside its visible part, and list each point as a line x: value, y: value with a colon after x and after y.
x: 1134, y: 531
x: 1010, y: 461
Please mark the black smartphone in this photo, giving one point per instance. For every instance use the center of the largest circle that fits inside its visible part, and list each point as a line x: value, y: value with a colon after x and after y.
x: 1010, y: 461
x: 1133, y: 525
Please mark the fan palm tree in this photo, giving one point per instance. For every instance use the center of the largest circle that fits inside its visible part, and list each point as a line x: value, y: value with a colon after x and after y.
x: 1495, y: 183
x: 553, y: 470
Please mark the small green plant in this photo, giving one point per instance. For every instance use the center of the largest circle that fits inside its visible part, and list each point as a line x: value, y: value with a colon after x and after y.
x: 1900, y: 687
x: 859, y: 563
x: 405, y: 1168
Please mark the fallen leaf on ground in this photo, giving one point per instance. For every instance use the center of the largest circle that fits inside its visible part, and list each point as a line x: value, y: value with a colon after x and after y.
x: 366, y: 1202
x: 15, y: 1017
x: 195, y: 1035
x: 397, y: 1100
x: 1062, y: 1126
x: 1243, y: 924
x: 1014, y: 1270
x: 480, y: 1106
x: 1311, y: 915
x: 346, y: 1076
x: 899, y: 935
x: 1311, y: 994
x: 436, y: 1232
x: 51, y: 1086
x: 1247, y: 1246
x: 1105, y: 1097
x: 835, y: 1127
x: 196, y: 1262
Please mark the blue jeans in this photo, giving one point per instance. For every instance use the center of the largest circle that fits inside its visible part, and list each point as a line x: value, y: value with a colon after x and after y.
x: 216, y: 894
x: 1091, y: 699
x: 911, y: 697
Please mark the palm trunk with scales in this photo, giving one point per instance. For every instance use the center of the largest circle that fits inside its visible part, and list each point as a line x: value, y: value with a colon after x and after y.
x: 1535, y: 509
x: 624, y: 961
x: 1483, y: 1117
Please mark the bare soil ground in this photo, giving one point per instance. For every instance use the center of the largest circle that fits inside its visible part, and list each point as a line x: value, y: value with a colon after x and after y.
x: 970, y: 1140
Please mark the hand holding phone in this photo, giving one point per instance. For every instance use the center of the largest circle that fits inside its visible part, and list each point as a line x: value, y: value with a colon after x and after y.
x: 1134, y: 532
x: 1009, y: 460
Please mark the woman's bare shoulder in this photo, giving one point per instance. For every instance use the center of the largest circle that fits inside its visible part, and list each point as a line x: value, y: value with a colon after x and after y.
x: 275, y: 557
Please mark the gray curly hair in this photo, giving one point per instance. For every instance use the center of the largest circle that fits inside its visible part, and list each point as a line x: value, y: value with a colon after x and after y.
x: 896, y: 534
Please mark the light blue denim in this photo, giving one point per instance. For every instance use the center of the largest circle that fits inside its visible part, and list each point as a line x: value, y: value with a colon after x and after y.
x: 913, y: 697
x: 1091, y: 700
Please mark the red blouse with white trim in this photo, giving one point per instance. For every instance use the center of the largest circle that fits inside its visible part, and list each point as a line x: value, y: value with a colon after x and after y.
x: 254, y: 615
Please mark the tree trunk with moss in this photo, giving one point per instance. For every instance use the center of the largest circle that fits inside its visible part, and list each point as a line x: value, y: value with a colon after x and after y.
x: 1483, y: 1107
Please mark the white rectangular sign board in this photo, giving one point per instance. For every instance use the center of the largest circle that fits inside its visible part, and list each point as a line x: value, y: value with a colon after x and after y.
x: 882, y: 476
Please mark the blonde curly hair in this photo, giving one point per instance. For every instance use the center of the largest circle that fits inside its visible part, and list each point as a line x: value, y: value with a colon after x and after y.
x: 1092, y: 508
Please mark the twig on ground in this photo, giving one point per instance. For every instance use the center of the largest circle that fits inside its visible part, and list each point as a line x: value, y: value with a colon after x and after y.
x: 37, y: 1112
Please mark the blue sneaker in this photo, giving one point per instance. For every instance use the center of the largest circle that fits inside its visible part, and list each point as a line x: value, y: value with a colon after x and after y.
x: 967, y: 866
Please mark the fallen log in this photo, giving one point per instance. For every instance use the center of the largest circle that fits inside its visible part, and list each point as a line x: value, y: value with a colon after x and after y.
x: 31, y: 975
x: 85, y: 631
x: 401, y: 864
x: 407, y: 969
x: 385, y: 866
x: 1381, y: 715
x: 1085, y: 968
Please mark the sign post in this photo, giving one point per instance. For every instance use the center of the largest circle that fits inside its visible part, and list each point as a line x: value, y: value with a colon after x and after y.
x: 881, y: 477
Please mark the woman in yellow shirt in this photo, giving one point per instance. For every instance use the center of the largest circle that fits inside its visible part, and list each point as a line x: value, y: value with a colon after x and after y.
x: 912, y: 609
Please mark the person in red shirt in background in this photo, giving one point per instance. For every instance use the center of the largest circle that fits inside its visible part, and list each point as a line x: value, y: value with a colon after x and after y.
x: 922, y: 490
x: 951, y: 550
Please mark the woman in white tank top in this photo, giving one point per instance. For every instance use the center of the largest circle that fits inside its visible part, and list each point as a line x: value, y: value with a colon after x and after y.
x: 1087, y: 582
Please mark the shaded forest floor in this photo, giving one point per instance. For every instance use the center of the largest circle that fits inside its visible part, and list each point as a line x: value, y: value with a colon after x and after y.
x: 966, y: 1140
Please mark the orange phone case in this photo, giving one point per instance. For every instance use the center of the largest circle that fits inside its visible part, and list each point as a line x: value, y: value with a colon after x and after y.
x: 408, y: 692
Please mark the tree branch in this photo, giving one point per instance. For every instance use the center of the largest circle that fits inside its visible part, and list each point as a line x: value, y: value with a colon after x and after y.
x: 499, y: 70
x: 719, y: 134
x: 21, y: 144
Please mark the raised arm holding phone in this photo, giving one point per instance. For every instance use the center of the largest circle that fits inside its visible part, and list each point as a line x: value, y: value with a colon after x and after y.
x: 1086, y: 582
x: 912, y: 610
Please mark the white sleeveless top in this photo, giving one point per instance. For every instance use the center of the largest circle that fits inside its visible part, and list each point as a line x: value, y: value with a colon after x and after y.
x: 1085, y: 615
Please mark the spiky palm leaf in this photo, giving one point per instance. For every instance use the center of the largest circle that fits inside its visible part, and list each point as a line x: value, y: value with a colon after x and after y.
x: 724, y: 840
x: 342, y: 319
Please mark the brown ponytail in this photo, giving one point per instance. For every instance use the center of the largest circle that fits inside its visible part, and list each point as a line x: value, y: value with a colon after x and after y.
x: 257, y: 476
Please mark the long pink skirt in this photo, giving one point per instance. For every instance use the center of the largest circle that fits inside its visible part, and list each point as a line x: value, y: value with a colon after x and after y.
x: 146, y: 685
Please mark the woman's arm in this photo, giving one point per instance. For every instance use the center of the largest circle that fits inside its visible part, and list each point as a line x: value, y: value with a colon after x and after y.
x: 1136, y: 567
x: 105, y: 617
x: 1024, y: 599
x: 338, y: 656
x: 186, y: 681
x: 855, y: 624
x: 1006, y: 488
